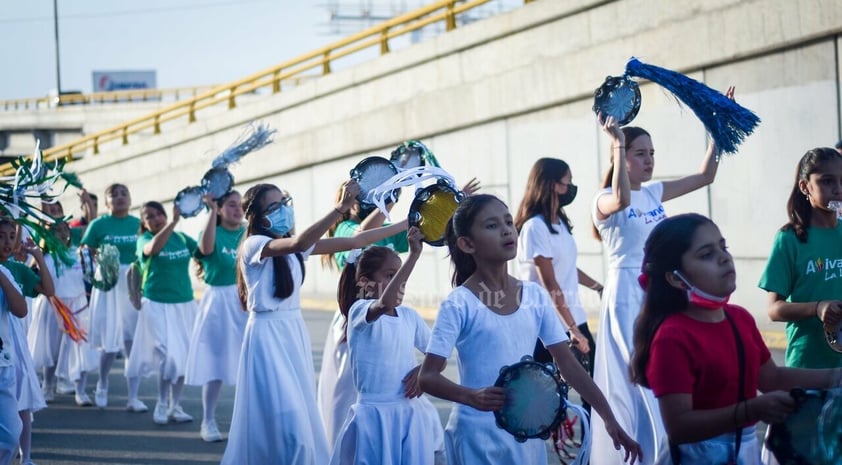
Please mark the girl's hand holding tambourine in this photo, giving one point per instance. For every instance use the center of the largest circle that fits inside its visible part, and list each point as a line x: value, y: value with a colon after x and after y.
x: 830, y: 313
x: 350, y: 191
x: 612, y: 127
x: 176, y: 213
x: 487, y: 399
x: 414, y: 237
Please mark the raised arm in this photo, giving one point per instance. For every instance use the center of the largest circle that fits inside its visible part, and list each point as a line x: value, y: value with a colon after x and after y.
x: 46, y: 286
x: 393, y: 295
x: 160, y: 239
x: 358, y: 240
x: 208, y: 242
x: 620, y: 195
x: 706, y: 174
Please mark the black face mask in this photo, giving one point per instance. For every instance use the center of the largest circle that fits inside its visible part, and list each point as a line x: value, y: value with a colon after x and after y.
x: 566, y: 198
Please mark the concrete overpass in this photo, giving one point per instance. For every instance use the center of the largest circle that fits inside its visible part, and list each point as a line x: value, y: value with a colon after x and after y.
x: 492, y: 97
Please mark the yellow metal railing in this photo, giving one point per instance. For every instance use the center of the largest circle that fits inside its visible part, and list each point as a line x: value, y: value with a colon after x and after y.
x: 134, y: 95
x: 441, y: 10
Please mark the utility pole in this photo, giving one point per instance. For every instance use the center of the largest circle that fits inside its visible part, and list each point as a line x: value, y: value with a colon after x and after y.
x: 58, y: 62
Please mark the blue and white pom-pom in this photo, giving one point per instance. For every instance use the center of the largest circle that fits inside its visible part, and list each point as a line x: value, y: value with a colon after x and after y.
x: 727, y: 122
x: 261, y: 136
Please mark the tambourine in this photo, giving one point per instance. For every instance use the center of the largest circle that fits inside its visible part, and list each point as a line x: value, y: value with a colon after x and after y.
x: 103, y: 272
x: 618, y: 96
x: 432, y: 209
x: 86, y: 261
x: 217, y: 182
x: 812, y: 435
x: 834, y: 338
x: 535, y: 402
x: 370, y: 173
x: 412, y: 154
x: 189, y: 201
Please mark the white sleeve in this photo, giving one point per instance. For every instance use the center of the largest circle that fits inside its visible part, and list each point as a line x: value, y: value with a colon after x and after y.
x: 536, y: 239
x: 422, y: 332
x: 656, y: 189
x: 253, y: 248
x: 357, y: 314
x: 447, y: 328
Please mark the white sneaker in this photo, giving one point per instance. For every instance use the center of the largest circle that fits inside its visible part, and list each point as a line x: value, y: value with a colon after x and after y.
x: 178, y: 415
x: 210, y: 432
x: 49, y: 394
x: 101, y: 397
x: 159, y: 416
x: 136, y: 406
x: 82, y: 400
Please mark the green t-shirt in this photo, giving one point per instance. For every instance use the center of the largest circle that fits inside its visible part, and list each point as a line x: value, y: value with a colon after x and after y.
x: 348, y: 228
x: 24, y: 276
x: 121, y: 232
x: 76, y: 236
x: 806, y: 272
x: 168, y: 274
x: 219, y: 266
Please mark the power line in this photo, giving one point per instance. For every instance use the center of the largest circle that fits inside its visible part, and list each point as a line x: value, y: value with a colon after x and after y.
x: 147, y: 11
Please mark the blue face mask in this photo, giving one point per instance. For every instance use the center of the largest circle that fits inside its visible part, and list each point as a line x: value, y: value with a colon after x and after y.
x: 281, y: 220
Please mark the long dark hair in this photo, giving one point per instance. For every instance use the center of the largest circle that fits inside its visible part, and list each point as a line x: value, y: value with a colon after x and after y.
x: 154, y: 205
x: 460, y: 225
x: 630, y: 133
x: 667, y: 243
x: 200, y: 267
x: 348, y: 291
x: 798, y: 208
x: 540, y: 193
x: 254, y: 209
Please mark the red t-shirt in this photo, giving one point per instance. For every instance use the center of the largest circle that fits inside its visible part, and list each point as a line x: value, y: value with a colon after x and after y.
x: 688, y: 356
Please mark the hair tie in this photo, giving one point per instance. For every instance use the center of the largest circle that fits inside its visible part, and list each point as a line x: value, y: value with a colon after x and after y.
x: 643, y: 280
x: 353, y: 256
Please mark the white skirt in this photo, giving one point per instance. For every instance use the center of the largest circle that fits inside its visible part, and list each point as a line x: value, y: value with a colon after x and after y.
x: 391, y: 431
x: 113, y: 318
x: 75, y: 358
x: 45, y: 334
x: 161, y: 340
x: 10, y: 424
x: 473, y: 438
x: 28, y: 390
x: 275, y: 418
x: 336, y: 392
x: 217, y: 337
x: 635, y: 407
x: 718, y: 450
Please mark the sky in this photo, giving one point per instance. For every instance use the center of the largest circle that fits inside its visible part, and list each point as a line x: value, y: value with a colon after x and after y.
x: 187, y: 42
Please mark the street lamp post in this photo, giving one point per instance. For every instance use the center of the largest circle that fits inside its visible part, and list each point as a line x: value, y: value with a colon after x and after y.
x: 58, y: 62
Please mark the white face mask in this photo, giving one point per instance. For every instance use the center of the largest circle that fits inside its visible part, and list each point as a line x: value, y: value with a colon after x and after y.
x: 701, y: 298
x: 281, y: 220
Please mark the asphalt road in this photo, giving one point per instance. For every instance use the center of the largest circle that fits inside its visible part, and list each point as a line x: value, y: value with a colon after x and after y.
x: 64, y: 434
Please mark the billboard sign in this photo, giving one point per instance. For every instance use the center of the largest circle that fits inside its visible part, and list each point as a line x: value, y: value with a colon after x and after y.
x: 108, y: 81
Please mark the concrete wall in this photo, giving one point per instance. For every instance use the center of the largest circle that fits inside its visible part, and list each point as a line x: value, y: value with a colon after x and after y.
x: 494, y: 96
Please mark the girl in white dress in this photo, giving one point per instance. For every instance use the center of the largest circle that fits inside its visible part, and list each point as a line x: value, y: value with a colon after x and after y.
x: 493, y: 319
x: 12, y: 305
x: 624, y: 212
x: 53, y: 350
x: 275, y: 418
x: 113, y: 318
x: 167, y: 312
x: 389, y: 424
x: 28, y: 391
x: 218, y: 331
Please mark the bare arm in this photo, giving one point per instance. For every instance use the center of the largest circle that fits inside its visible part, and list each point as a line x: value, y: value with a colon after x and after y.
x: 544, y: 267
x: 587, y: 281
x: 392, y: 296
x: 706, y: 174
x: 620, y: 195
x: 208, y: 242
x: 46, y: 286
x: 358, y: 240
x: 14, y: 299
x: 160, y: 239
x: 433, y: 382
x: 578, y: 379
x: 774, y: 378
x: 828, y: 311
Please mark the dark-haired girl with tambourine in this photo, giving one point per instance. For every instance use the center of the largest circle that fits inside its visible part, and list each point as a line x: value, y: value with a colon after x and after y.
x: 218, y: 332
x: 275, y: 418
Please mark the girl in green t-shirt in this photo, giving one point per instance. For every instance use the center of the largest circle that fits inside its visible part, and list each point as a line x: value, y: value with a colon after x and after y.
x: 166, y: 316
x: 214, y: 352
x: 803, y: 275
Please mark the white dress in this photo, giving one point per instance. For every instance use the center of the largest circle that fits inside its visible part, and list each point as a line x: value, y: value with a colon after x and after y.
x: 624, y: 234
x: 383, y: 426
x: 217, y: 337
x: 161, y: 340
x: 10, y: 424
x: 49, y: 345
x: 336, y: 392
x: 275, y: 418
x: 113, y: 318
x: 485, y: 342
